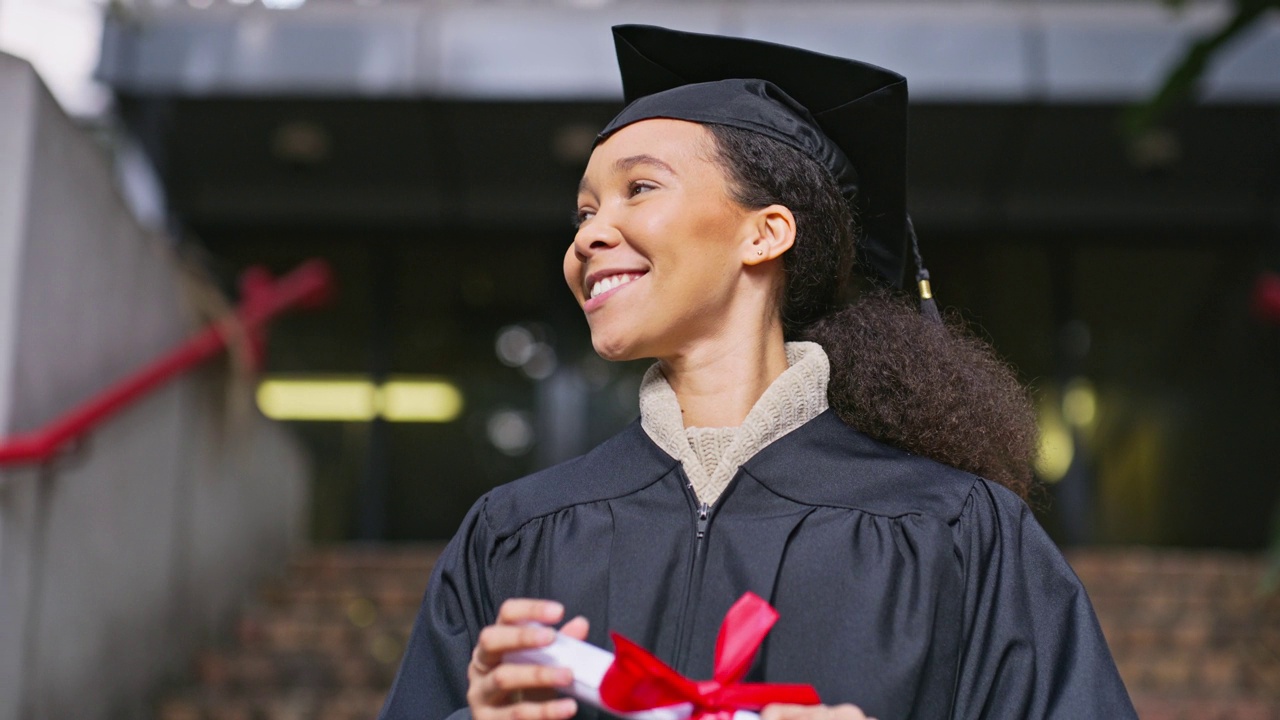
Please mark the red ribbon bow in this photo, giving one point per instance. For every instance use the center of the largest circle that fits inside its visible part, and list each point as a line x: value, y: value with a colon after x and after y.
x: 639, y: 681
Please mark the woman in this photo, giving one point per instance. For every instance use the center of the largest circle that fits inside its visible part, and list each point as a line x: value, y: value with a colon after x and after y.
x: 840, y: 479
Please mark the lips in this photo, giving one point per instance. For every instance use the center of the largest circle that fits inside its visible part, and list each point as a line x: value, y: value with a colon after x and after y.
x: 601, y: 285
x: 606, y: 284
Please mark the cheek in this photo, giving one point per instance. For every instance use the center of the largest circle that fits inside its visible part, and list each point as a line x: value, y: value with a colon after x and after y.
x: 708, y: 262
x: 573, y: 273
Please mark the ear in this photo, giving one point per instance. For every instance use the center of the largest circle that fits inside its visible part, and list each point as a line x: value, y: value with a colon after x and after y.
x: 771, y: 231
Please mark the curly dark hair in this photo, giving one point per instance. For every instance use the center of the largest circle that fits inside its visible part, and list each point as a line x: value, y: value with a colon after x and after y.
x: 933, y: 389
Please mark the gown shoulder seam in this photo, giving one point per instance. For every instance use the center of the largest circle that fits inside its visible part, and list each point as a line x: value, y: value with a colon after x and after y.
x: 513, y: 528
x: 862, y: 508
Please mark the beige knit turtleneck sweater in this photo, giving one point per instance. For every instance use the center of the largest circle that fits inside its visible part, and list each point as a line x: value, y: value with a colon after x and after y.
x: 711, y: 456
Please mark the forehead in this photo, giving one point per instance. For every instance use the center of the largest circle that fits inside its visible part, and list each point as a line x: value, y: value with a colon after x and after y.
x: 673, y: 141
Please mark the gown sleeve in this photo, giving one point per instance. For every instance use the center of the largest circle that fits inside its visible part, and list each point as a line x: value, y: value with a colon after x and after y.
x: 432, y: 681
x: 1031, y: 647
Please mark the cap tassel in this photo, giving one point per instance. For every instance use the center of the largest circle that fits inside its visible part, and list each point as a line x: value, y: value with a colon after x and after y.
x: 928, y: 307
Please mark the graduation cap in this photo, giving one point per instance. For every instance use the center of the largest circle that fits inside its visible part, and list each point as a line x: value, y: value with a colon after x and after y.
x: 848, y: 116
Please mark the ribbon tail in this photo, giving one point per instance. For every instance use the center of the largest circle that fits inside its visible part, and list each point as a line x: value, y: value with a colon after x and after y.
x: 741, y: 633
x: 753, y: 696
x: 639, y: 681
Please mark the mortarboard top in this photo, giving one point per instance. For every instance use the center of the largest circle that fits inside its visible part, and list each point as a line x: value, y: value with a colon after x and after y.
x: 848, y: 116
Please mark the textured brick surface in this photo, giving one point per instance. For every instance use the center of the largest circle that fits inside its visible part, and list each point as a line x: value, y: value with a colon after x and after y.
x: 321, y: 644
x: 1191, y: 633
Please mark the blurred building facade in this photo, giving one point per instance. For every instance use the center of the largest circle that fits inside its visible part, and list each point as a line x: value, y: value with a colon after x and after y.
x: 124, y: 552
x: 431, y: 150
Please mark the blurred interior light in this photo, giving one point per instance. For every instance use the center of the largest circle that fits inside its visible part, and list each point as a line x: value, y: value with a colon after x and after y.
x: 356, y: 399
x: 510, y: 431
x: 421, y: 400
x: 541, y: 363
x: 318, y: 399
x: 1080, y: 403
x: 1056, y: 445
x: 283, y: 4
x: 514, y: 345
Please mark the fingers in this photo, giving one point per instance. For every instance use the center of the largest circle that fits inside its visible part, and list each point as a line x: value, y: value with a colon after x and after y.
x: 512, y: 631
x: 517, y: 691
x: 519, y: 686
x: 555, y: 710
x: 576, y: 628
x: 780, y: 711
x: 520, y: 610
x: 509, y: 678
x: 498, y: 640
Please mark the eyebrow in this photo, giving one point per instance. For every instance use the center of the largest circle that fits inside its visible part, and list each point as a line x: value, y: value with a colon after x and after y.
x: 629, y: 163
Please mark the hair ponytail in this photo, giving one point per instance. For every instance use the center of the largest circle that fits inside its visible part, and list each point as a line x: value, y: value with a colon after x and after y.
x: 930, y: 388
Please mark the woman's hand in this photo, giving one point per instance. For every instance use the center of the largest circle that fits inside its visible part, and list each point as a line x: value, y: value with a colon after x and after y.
x: 517, y: 691
x: 779, y: 711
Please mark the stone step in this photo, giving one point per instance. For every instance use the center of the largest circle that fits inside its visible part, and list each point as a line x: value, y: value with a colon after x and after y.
x: 1188, y: 626
x: 389, y: 596
x: 356, y: 560
x: 1161, y: 707
x: 327, y: 629
x: 1191, y: 632
x: 256, y: 672
x: 282, y: 704
x: 391, y: 579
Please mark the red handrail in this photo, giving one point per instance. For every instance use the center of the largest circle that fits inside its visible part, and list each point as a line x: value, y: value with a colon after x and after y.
x: 309, y: 285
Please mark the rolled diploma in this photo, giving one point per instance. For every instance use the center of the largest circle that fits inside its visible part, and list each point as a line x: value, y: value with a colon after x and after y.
x: 589, y: 664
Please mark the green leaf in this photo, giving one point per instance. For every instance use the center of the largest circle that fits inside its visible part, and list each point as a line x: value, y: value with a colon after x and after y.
x: 1181, y: 81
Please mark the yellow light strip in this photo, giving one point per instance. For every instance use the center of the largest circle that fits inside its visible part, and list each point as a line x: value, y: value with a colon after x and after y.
x: 408, y: 400
x: 317, y: 399
x: 354, y: 399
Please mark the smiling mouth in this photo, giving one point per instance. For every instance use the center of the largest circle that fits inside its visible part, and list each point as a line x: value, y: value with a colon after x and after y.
x: 612, y: 282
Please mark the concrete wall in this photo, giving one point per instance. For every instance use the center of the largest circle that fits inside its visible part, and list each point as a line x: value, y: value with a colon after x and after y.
x: 118, y: 557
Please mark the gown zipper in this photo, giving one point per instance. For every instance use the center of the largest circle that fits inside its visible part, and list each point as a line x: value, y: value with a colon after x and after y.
x: 702, y: 528
x: 701, y: 521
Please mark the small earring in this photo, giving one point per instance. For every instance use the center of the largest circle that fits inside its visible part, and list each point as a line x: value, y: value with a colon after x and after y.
x: 760, y: 252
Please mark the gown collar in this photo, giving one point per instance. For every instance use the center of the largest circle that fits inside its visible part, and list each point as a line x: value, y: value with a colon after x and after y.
x: 797, y: 396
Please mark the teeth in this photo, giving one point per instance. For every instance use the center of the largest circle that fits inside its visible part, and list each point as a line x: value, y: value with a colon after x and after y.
x: 606, y: 284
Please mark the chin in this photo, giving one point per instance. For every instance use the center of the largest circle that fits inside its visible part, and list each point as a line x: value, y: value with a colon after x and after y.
x: 612, y: 352
x: 615, y: 349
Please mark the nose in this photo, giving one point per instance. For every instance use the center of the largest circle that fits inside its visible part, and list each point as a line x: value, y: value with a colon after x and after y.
x: 593, y: 236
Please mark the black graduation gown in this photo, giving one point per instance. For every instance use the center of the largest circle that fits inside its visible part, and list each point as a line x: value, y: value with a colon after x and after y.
x: 906, y: 587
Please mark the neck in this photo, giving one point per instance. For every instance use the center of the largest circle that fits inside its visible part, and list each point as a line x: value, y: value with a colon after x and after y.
x: 719, y: 382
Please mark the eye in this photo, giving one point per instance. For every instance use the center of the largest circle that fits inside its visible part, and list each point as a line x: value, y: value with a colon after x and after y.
x: 582, y: 215
x: 637, y: 187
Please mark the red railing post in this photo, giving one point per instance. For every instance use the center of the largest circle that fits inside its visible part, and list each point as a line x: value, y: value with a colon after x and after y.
x: 307, y: 286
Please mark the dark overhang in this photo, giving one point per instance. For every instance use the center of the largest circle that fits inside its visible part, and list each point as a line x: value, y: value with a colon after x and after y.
x: 422, y: 114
